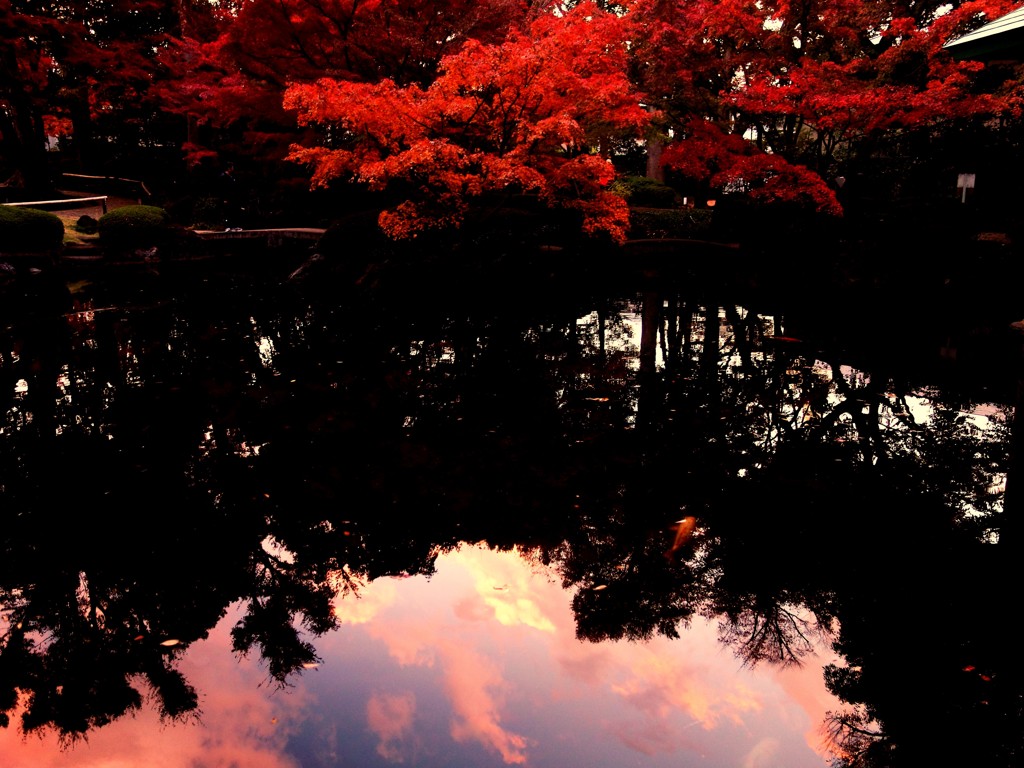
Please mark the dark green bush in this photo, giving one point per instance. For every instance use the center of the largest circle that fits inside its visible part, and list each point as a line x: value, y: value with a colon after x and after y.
x: 29, y: 229
x: 87, y: 225
x: 689, y: 223
x: 644, y: 192
x: 134, y: 227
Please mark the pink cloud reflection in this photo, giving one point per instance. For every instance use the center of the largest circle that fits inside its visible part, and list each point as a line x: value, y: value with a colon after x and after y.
x: 390, y: 717
x: 492, y: 615
x: 474, y: 685
x: 488, y: 644
x: 243, y: 723
x: 472, y: 681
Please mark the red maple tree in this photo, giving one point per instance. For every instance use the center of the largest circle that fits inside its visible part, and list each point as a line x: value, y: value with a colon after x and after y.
x: 527, y: 115
x: 25, y: 84
x: 230, y: 77
x: 81, y: 71
x: 773, y: 98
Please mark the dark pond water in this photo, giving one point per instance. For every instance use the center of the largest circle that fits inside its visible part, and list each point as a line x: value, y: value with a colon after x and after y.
x: 256, y: 520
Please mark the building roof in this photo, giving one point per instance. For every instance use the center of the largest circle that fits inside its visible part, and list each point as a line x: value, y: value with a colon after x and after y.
x: 1002, y: 38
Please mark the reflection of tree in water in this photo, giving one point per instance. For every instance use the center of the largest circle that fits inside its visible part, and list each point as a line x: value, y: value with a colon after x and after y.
x: 120, y: 545
x: 822, y: 503
x: 258, y: 450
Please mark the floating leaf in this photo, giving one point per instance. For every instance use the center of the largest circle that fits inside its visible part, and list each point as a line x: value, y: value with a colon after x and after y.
x: 78, y: 286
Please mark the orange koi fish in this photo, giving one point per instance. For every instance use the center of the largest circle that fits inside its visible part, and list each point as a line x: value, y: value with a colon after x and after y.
x: 684, y: 530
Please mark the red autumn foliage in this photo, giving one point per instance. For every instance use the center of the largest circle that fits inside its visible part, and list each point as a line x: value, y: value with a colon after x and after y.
x: 26, y: 80
x: 78, y: 69
x: 775, y: 96
x: 522, y: 116
x: 730, y: 163
x: 450, y: 101
x: 231, y: 75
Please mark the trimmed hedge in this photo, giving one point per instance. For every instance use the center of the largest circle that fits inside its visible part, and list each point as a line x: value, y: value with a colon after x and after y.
x: 689, y: 223
x: 135, y: 226
x: 29, y: 230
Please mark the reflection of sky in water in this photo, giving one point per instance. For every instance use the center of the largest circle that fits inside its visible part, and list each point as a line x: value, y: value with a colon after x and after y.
x: 477, y: 666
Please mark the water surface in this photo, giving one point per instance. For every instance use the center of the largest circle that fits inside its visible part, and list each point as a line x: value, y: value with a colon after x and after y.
x: 269, y: 521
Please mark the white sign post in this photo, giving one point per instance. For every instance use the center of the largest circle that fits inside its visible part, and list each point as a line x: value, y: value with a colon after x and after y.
x: 964, y: 182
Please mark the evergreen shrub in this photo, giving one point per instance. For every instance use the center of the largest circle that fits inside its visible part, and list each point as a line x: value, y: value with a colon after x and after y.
x: 29, y: 230
x: 687, y: 223
x: 643, y: 192
x: 135, y: 226
x: 87, y: 225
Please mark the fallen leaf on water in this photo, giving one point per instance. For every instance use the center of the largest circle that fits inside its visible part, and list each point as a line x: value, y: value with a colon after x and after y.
x: 170, y: 642
x: 78, y: 286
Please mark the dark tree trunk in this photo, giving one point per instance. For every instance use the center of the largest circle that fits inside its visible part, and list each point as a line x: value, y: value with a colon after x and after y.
x: 655, y: 169
x: 83, y: 134
x: 25, y: 149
